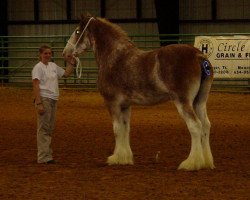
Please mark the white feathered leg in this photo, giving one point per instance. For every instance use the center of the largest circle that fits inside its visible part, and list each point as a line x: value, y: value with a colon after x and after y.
x: 195, y: 160
x: 121, y: 127
x: 201, y: 112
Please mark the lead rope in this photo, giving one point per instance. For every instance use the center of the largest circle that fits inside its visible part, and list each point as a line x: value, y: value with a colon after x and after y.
x: 78, y: 68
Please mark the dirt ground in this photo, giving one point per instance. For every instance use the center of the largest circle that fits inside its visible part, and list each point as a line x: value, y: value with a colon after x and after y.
x: 83, y: 139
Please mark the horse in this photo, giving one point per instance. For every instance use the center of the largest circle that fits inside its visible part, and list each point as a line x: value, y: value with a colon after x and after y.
x: 130, y: 76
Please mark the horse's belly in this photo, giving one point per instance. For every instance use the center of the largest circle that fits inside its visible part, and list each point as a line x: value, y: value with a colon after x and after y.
x: 149, y: 98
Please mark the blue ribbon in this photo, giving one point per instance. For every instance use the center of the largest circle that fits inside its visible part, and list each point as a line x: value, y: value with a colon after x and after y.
x: 206, y: 68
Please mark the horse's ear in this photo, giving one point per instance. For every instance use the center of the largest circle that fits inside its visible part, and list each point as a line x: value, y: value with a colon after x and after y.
x: 87, y: 15
x: 82, y: 17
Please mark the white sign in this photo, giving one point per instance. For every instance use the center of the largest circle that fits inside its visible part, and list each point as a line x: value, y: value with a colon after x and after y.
x: 229, y: 56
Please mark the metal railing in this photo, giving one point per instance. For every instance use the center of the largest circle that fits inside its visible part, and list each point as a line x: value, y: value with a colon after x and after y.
x: 20, y: 53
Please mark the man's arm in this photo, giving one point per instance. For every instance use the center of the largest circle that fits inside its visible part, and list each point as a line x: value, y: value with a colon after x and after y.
x: 68, y: 71
x: 71, y: 61
x: 38, y: 101
x: 36, y: 90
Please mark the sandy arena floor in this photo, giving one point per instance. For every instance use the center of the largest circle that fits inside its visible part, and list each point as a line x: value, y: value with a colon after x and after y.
x: 83, y: 139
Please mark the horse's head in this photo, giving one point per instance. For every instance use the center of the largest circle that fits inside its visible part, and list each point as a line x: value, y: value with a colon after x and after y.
x: 79, y: 40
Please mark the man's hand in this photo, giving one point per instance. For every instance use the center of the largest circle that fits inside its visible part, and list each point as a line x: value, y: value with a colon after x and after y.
x: 71, y: 60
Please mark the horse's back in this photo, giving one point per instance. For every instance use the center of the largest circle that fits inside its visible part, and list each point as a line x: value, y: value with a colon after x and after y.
x: 179, y: 53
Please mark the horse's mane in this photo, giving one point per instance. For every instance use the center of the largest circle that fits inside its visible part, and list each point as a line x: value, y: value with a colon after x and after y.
x: 114, y: 29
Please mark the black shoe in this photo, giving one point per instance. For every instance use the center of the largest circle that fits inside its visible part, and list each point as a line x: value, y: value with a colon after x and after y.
x: 51, y: 162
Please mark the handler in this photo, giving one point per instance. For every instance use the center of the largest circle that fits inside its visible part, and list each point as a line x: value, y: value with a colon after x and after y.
x: 45, y: 76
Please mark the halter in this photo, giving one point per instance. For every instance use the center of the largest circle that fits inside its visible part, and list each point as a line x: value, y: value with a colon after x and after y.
x: 85, y: 28
x: 79, y: 65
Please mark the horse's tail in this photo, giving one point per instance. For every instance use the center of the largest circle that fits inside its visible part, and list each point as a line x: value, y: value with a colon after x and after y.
x: 206, y: 79
x: 206, y: 67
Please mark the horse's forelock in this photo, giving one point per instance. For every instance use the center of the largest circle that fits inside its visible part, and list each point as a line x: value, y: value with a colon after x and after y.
x: 84, y: 18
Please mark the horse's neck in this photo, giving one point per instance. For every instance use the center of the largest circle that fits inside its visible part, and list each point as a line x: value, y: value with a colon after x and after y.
x: 108, y: 50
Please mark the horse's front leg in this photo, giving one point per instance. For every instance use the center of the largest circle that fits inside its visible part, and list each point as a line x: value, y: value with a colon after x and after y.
x: 121, y: 126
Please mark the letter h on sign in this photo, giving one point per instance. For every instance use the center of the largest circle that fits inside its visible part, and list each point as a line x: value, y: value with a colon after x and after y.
x: 204, y: 48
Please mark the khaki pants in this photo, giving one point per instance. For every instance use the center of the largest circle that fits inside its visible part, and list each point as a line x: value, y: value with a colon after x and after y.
x: 45, y: 126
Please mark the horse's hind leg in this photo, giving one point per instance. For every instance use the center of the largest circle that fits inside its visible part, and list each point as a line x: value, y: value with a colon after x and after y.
x: 121, y: 127
x: 201, y: 111
x: 195, y: 160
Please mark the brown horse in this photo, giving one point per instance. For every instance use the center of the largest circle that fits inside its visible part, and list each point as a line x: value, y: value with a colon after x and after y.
x: 128, y: 76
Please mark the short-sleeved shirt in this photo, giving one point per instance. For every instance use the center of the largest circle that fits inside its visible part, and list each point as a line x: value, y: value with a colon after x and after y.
x: 48, y: 77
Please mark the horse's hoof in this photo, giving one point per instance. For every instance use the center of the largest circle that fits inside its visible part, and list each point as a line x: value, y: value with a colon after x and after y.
x: 209, y: 165
x: 112, y: 160
x: 115, y: 160
x: 191, y: 165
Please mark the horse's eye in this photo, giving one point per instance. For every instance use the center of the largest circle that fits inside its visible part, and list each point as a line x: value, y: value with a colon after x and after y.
x: 77, y: 32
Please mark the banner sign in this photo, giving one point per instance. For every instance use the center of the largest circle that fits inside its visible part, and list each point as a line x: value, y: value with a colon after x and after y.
x: 230, y: 55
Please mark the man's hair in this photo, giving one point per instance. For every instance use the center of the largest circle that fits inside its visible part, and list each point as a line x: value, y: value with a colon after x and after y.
x: 44, y: 47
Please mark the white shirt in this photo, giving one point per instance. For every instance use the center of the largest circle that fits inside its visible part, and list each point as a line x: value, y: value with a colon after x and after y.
x: 48, y: 76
